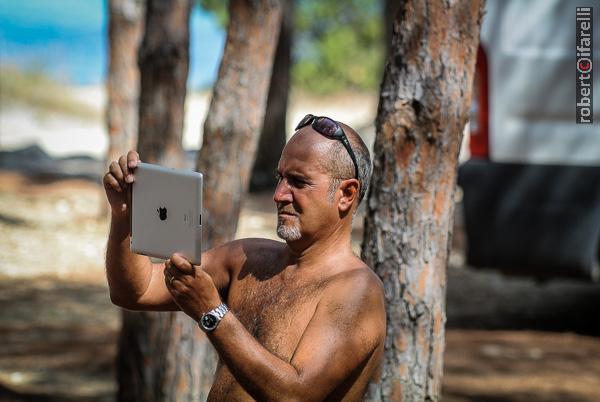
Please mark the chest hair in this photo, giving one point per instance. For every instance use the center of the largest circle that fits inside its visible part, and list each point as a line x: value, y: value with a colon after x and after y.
x: 276, y: 311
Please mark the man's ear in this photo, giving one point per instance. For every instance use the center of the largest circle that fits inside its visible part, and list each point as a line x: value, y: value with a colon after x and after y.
x: 349, y: 189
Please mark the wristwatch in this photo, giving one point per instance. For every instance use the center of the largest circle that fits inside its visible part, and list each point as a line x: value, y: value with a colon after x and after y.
x: 209, y: 321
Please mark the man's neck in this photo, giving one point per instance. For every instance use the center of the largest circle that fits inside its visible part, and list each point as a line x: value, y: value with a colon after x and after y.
x: 315, y: 253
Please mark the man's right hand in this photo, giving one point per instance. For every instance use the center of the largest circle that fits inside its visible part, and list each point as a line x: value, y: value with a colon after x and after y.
x: 117, y: 182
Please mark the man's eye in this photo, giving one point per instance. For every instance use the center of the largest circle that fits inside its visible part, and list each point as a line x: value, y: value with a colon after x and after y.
x: 291, y: 180
x: 297, y: 182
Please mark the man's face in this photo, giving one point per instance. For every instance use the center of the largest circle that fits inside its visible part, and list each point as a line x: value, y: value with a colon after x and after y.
x: 303, y: 207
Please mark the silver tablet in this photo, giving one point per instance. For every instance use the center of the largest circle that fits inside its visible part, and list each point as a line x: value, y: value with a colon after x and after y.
x: 166, y: 212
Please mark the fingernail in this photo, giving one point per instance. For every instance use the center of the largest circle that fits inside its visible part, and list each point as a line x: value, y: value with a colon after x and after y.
x: 129, y: 179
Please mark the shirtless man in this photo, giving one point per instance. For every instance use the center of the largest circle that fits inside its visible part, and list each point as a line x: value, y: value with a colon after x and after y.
x: 306, y: 318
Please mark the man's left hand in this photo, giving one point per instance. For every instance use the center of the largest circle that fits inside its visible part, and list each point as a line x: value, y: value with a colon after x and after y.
x: 191, y: 287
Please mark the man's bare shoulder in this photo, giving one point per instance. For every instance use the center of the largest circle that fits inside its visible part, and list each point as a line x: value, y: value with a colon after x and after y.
x: 356, y: 283
x: 258, y: 243
x: 250, y: 252
x: 243, y: 248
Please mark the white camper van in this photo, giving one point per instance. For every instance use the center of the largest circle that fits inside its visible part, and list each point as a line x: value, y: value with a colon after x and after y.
x: 532, y: 183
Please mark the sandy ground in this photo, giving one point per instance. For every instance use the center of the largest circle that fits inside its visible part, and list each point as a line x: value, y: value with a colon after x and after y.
x: 507, y: 339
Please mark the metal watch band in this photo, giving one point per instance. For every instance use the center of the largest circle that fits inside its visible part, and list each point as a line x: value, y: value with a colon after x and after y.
x: 218, y: 313
x: 220, y: 310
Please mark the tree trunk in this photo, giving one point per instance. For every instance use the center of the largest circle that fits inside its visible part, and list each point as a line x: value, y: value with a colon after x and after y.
x: 236, y: 113
x: 273, y: 136
x: 126, y: 21
x: 157, y: 355
x: 164, y: 64
x: 423, y: 108
x: 390, y: 9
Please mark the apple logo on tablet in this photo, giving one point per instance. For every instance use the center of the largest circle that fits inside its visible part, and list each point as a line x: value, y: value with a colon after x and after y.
x: 162, y: 213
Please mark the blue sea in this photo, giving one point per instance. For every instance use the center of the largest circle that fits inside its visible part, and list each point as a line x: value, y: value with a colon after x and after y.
x: 67, y: 39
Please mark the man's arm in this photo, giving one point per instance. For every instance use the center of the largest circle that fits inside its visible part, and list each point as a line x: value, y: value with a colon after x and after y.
x: 346, y: 330
x: 134, y: 282
x: 129, y: 275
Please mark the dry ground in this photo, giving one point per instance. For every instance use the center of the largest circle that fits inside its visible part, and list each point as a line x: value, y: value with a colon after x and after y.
x: 507, y: 339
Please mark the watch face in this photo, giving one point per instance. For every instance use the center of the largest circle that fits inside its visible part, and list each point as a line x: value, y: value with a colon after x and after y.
x: 209, y: 321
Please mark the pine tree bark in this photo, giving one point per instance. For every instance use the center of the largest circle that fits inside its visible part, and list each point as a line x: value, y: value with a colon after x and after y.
x: 423, y: 108
x: 236, y: 114
x: 390, y: 9
x: 157, y: 355
x: 126, y: 21
x: 273, y: 135
x: 164, y: 65
x: 125, y: 27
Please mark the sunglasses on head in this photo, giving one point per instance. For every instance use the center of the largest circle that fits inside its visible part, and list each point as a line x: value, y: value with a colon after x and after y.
x: 330, y: 129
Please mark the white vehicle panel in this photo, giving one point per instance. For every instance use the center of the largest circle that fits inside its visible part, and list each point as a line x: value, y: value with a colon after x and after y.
x: 531, y: 45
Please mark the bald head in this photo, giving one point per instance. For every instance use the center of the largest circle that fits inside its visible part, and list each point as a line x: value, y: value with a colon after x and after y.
x: 334, y: 159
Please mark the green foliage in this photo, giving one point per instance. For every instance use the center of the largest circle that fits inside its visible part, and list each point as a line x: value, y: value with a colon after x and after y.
x: 35, y: 89
x: 338, y: 45
x: 218, y: 8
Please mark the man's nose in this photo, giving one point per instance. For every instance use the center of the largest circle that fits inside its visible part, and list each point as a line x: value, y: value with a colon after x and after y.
x: 282, y: 193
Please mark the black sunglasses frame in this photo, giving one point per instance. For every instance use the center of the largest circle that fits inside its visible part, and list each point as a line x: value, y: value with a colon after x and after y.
x: 339, y: 134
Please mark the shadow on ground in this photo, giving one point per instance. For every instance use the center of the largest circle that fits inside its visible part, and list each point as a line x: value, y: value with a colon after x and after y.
x: 58, y: 341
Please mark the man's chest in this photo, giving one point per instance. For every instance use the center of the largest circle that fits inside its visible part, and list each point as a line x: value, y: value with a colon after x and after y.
x: 275, y: 312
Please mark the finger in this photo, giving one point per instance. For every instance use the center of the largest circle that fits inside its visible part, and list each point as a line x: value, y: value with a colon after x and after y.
x: 111, y: 183
x: 132, y: 159
x: 128, y: 196
x: 169, y: 271
x: 116, y: 171
x: 175, y: 285
x: 126, y: 173
x: 173, y: 273
x: 169, y: 284
x: 170, y: 279
x: 181, y: 264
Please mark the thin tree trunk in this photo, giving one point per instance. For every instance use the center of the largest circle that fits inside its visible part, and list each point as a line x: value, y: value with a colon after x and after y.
x: 423, y: 108
x: 273, y: 136
x: 125, y: 26
x: 164, y: 64
x: 236, y: 113
x: 157, y: 355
